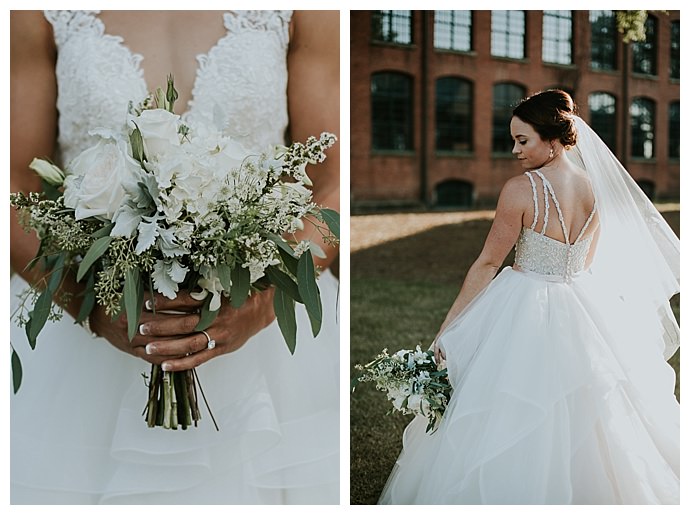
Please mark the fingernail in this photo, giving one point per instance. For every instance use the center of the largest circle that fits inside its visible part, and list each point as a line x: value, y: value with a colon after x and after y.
x: 166, y: 367
x: 143, y: 329
x: 149, y: 304
x: 151, y: 349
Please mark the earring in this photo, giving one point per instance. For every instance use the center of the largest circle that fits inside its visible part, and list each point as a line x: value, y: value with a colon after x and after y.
x: 551, y: 153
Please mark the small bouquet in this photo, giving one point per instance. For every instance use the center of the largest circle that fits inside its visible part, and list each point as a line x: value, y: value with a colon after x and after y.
x: 413, y: 381
x: 159, y: 206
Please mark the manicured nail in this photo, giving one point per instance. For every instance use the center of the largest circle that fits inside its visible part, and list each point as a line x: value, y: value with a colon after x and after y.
x: 151, y: 349
x: 149, y: 305
x: 143, y: 329
x: 166, y: 367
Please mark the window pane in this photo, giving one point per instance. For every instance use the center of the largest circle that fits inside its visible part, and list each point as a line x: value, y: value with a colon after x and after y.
x: 391, y: 111
x: 392, y: 26
x: 675, y: 50
x: 674, y: 130
x: 602, y: 108
x: 644, y: 52
x: 642, y: 122
x: 557, y: 36
x: 453, y: 114
x: 453, y: 30
x: 506, y: 97
x: 508, y: 34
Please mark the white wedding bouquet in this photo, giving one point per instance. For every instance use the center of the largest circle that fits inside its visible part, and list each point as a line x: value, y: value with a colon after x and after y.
x: 413, y: 381
x: 159, y: 206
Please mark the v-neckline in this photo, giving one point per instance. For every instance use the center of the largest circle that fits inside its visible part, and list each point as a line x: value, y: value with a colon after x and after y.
x: 137, y: 58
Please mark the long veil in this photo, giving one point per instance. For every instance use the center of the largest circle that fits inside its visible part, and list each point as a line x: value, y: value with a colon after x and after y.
x: 638, y: 255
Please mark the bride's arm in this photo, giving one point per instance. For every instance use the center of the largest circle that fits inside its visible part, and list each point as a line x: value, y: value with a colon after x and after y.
x: 33, y: 132
x: 314, y: 107
x: 502, y: 236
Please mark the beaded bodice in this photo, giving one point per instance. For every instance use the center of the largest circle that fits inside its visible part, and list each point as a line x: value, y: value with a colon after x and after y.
x: 240, y: 85
x: 536, y: 252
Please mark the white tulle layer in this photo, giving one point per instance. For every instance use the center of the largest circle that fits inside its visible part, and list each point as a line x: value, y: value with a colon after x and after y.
x: 554, y: 402
x: 78, y: 436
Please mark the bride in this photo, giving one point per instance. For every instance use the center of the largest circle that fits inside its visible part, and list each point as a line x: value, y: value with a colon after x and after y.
x: 77, y: 434
x: 561, y: 390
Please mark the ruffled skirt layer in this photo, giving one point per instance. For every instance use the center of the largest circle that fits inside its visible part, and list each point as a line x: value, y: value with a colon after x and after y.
x: 78, y: 435
x: 556, y: 401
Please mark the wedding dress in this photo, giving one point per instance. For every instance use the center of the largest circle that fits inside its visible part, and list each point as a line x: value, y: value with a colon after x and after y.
x: 555, y: 399
x: 77, y: 431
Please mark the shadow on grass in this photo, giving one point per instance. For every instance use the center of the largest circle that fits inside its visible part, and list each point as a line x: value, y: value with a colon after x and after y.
x: 400, y: 294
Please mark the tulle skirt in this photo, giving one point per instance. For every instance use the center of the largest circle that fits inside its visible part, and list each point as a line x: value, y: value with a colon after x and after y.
x: 78, y: 435
x: 554, y: 402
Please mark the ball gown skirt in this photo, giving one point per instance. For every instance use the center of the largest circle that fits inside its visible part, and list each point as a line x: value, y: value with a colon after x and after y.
x: 554, y: 402
x: 78, y: 435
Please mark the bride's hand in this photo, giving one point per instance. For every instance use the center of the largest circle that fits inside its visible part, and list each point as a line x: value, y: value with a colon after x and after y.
x: 178, y: 346
x: 439, y: 355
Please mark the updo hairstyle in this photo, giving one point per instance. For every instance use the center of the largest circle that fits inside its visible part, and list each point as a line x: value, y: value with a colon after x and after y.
x: 550, y: 113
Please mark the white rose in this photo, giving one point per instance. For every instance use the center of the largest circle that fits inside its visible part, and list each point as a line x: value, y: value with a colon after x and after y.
x: 159, y: 130
x: 94, y: 184
x: 413, y: 402
x: 48, y: 171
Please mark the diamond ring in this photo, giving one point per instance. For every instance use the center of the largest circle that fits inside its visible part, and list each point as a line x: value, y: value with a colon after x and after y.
x: 211, y: 343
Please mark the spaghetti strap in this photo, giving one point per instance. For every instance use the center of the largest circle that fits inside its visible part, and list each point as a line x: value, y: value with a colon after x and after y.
x: 534, y: 198
x: 589, y: 219
x: 549, y: 188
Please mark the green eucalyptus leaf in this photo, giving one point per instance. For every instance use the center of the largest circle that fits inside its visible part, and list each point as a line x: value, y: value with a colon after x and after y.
x: 16, y: 371
x: 207, y: 316
x: 57, y: 273
x: 225, y: 276
x: 39, y: 316
x: 284, y: 282
x: 332, y: 219
x: 284, y: 307
x: 97, y: 249
x: 239, y: 290
x: 309, y: 291
x: 103, y: 231
x: 289, y: 260
x: 134, y: 300
x: 281, y: 243
x: 89, y: 300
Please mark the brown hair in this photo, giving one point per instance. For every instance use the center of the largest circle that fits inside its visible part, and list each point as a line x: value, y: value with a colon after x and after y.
x: 550, y: 113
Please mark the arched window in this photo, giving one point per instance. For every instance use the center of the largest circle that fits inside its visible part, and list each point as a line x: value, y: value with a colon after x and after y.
x: 602, y: 109
x: 506, y: 97
x: 453, y: 114
x: 642, y: 114
x: 674, y: 130
x: 454, y: 193
x: 392, y: 27
x: 391, y: 111
x: 508, y: 34
x: 557, y: 37
x: 453, y: 30
x: 603, y: 40
x: 644, y: 53
x: 675, y: 50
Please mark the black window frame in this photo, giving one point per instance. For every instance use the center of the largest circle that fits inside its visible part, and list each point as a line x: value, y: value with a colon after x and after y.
x: 464, y: 31
x: 386, y: 130
x: 603, y: 45
x: 506, y: 36
x: 383, y: 24
x: 645, y: 54
x: 555, y: 41
x: 604, y: 124
x: 640, y: 135
x: 500, y: 130
x: 453, y: 114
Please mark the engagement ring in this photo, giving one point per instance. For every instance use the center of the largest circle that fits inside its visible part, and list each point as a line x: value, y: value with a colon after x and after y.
x: 211, y: 343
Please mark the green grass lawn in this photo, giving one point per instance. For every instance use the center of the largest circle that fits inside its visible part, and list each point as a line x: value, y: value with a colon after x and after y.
x: 400, y: 294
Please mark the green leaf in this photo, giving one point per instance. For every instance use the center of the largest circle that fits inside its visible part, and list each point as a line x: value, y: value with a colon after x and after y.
x: 283, y: 281
x: 207, y: 316
x: 225, y: 276
x: 57, y: 273
x: 309, y: 291
x: 137, y: 143
x: 103, y: 231
x: 16, y: 371
x: 284, y: 306
x: 289, y: 260
x: 240, y: 286
x: 39, y: 316
x: 89, y: 300
x: 134, y: 300
x: 332, y: 219
x: 282, y: 244
x: 97, y: 249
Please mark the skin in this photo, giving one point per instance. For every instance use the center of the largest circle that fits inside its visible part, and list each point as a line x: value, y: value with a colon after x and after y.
x: 313, y: 104
x: 515, y: 210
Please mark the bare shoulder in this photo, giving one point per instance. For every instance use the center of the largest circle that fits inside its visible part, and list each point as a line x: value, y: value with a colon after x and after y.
x: 316, y: 31
x: 516, y: 193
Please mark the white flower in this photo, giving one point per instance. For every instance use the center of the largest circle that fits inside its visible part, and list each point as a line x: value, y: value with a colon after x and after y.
x: 159, y: 129
x: 48, y: 171
x: 213, y: 286
x: 95, y: 180
x: 414, y: 401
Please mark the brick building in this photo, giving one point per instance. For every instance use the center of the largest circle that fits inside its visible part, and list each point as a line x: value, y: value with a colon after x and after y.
x: 432, y: 93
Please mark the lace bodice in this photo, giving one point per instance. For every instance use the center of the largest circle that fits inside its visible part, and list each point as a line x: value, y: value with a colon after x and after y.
x: 240, y: 86
x: 536, y: 252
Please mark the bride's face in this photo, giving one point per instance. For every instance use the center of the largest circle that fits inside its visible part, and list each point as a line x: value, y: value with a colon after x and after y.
x: 528, y: 147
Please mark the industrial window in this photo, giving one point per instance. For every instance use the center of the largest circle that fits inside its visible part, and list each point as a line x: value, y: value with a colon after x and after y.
x: 675, y: 50
x: 603, y: 40
x: 453, y: 114
x: 644, y: 53
x: 453, y: 30
x: 506, y: 97
x: 557, y: 37
x: 674, y: 130
x: 602, y: 109
x: 642, y: 112
x: 392, y: 26
x: 391, y: 111
x: 508, y: 34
